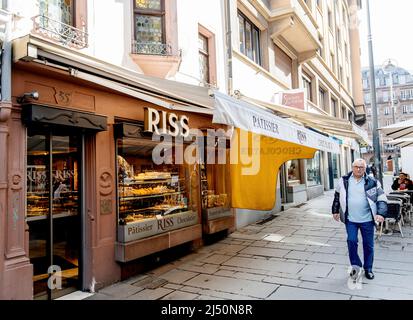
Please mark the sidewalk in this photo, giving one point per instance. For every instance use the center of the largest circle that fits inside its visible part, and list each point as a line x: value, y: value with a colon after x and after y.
x: 301, y: 254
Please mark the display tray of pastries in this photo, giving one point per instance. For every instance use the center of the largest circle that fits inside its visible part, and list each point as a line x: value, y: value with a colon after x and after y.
x: 133, y: 192
x: 153, y: 175
x: 36, y: 211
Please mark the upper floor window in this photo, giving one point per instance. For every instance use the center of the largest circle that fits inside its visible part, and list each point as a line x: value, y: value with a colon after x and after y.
x: 322, y: 97
x: 333, y: 62
x: 249, y: 38
x: 149, y: 27
x: 343, y: 113
x: 334, y: 107
x: 385, y: 96
x: 405, y: 109
x: 58, y: 10
x: 63, y: 21
x: 307, y: 84
x: 330, y: 19
x: 346, y: 50
x: 386, y: 111
x: 338, y: 36
x: 203, y: 58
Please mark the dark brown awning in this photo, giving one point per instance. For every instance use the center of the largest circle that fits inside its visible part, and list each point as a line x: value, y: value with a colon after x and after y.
x: 44, y: 115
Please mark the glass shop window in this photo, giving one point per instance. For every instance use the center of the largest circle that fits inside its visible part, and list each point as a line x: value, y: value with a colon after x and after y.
x: 153, y: 198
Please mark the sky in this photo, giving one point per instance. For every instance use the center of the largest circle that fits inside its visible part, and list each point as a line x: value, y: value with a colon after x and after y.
x: 392, y: 28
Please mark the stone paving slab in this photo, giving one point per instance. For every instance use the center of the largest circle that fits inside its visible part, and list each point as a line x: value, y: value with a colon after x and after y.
x: 178, y: 276
x: 149, y: 294
x: 317, y: 270
x: 121, y: 290
x: 298, y: 255
x: 291, y: 293
x: 217, y: 258
x: 266, y: 252
x: 282, y: 281
x: 279, y: 266
x: 224, y: 295
x: 236, y: 286
x: 180, y: 295
x: 206, y: 268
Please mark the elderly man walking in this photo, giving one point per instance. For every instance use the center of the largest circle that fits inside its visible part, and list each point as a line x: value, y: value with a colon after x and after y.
x: 359, y: 201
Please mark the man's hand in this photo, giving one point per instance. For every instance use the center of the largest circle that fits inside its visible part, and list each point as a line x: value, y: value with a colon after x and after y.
x: 336, y: 217
x: 379, y: 218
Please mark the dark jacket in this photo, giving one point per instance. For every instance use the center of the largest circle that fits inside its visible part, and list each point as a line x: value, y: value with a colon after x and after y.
x: 375, y: 195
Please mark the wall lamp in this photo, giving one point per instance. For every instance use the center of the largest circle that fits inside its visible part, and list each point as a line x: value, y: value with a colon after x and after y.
x: 28, y: 96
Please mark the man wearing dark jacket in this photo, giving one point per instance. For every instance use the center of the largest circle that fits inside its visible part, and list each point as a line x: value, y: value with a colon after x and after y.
x: 359, y: 201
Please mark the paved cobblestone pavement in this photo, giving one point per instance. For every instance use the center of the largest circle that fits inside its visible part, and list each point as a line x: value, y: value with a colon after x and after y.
x: 301, y: 254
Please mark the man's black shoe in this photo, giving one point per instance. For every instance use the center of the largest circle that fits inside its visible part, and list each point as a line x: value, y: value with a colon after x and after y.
x: 369, y: 275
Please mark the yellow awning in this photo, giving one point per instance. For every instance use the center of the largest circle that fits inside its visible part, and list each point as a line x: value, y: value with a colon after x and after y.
x: 254, y: 182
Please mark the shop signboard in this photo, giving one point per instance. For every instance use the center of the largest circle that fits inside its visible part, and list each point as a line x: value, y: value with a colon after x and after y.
x: 154, y: 226
x: 292, y: 98
x: 215, y: 213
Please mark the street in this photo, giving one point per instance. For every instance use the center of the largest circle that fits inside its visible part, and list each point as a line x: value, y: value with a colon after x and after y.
x: 300, y: 254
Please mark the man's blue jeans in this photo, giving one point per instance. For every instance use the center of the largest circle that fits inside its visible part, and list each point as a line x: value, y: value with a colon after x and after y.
x: 367, y: 234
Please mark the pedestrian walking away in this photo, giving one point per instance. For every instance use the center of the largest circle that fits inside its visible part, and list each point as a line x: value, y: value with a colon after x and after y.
x: 359, y: 202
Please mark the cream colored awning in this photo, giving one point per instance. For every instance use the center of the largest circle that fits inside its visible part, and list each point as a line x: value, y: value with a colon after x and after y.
x: 324, y: 123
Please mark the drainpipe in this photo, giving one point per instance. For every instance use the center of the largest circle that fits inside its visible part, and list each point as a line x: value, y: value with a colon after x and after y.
x: 5, y: 108
x: 5, y: 112
x: 228, y: 31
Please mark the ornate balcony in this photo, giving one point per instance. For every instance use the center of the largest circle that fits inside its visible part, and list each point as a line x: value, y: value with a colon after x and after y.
x: 151, y: 48
x: 60, y: 32
x: 156, y: 59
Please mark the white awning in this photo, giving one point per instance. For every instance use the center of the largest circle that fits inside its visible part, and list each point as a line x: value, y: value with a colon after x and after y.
x: 243, y: 115
x: 398, y: 130
x: 321, y: 122
x: 402, y: 143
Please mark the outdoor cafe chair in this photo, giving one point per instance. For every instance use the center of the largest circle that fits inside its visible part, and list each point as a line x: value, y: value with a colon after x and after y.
x: 410, y: 193
x: 394, y: 215
x: 406, y: 207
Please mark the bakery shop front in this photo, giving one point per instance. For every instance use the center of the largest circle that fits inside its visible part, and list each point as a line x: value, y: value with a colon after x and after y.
x: 100, y: 193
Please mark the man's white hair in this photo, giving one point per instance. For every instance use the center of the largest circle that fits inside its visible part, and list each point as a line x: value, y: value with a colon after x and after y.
x: 360, y: 160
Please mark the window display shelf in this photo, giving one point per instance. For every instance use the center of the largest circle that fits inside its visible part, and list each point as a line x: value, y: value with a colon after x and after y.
x: 55, y: 216
x: 130, y: 198
x: 155, y: 181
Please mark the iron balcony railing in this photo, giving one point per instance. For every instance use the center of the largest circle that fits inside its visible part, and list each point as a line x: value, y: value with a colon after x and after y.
x: 58, y: 31
x: 151, y: 48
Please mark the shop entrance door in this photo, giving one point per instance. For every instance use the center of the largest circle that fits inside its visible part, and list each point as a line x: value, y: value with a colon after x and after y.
x: 53, y: 212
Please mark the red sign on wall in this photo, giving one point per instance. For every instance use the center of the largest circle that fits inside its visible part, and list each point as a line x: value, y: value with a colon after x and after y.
x: 292, y: 98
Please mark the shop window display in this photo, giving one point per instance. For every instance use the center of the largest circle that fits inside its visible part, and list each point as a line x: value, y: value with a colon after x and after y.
x: 293, y: 169
x: 215, y: 187
x: 313, y: 170
x: 153, y: 199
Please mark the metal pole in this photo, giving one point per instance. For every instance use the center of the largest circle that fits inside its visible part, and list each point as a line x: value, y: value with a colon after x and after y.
x: 396, y: 155
x: 228, y: 35
x: 376, y: 136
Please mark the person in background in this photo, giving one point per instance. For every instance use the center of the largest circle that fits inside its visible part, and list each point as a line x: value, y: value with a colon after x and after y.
x: 373, y: 170
x: 402, y: 183
x: 359, y: 201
